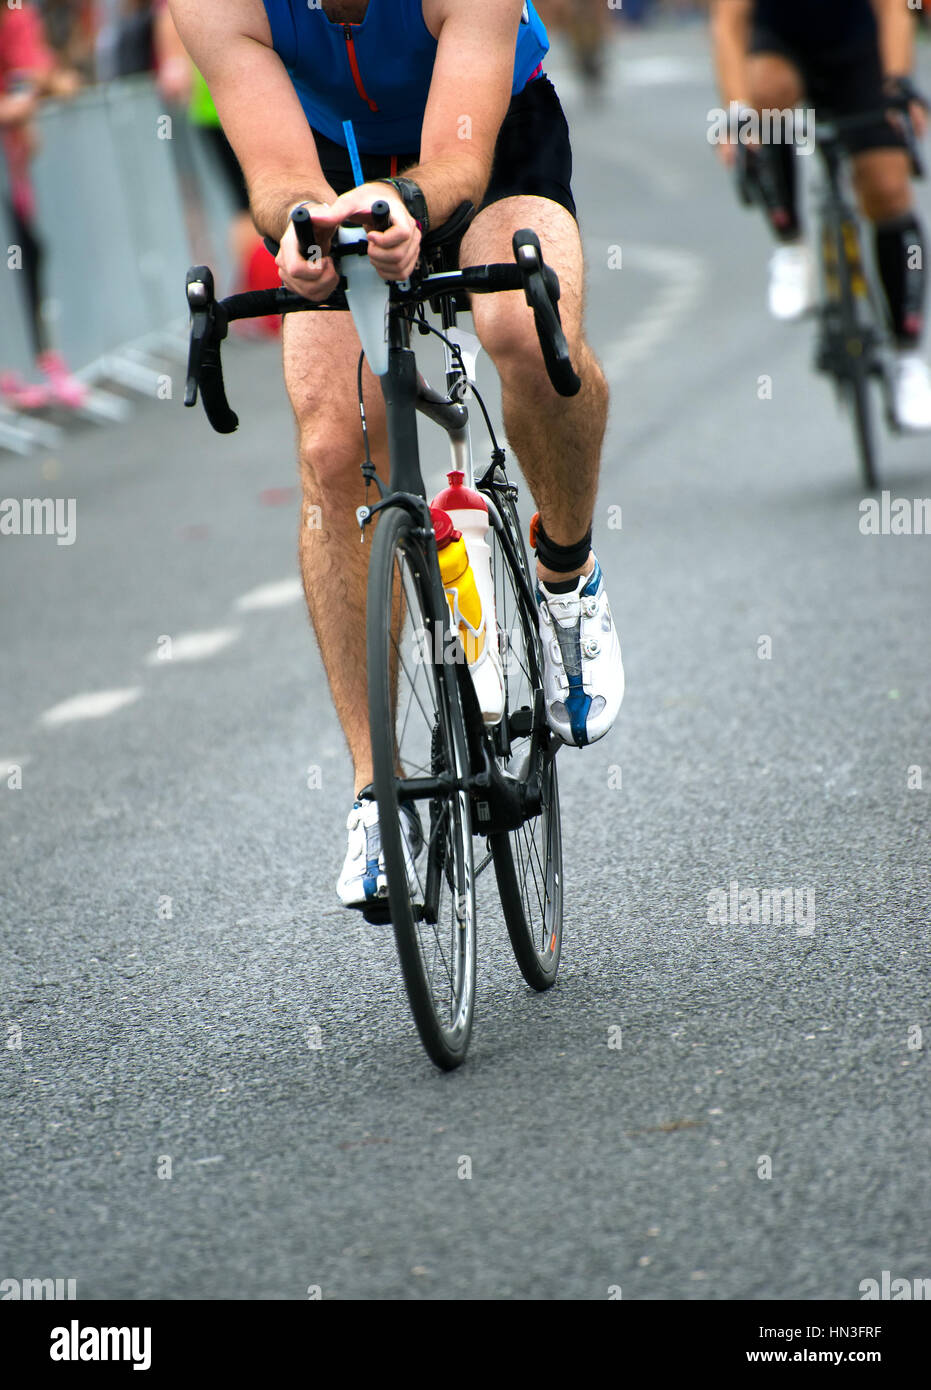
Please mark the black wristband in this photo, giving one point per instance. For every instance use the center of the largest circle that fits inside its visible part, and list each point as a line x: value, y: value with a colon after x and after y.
x: 413, y: 199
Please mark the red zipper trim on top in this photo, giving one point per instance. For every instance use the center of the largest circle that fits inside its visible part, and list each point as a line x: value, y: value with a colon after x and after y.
x: 354, y: 65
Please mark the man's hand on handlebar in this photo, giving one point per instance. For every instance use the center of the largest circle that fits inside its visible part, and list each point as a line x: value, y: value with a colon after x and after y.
x: 902, y: 88
x: 394, y: 252
x: 316, y: 278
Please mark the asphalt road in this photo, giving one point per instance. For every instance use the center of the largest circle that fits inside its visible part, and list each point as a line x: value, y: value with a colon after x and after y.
x: 179, y: 982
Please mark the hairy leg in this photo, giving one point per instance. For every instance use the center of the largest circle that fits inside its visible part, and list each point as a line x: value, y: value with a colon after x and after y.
x: 321, y: 353
x: 776, y: 85
x: 557, y: 440
x: 882, y: 181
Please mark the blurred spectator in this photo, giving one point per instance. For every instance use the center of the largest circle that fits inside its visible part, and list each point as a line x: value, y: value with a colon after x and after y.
x: 125, y: 38
x: 180, y: 83
x: 27, y: 69
x: 70, y: 29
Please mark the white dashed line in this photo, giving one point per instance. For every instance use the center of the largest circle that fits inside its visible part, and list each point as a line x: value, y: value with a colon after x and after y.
x: 682, y: 273
x: 91, y: 706
x: 192, y: 646
x: 275, y: 595
x: 660, y: 70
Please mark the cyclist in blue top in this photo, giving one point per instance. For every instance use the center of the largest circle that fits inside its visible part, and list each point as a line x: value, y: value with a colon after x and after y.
x: 448, y: 100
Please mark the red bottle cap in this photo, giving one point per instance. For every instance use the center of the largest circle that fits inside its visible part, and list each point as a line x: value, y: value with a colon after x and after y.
x: 443, y: 528
x: 458, y: 498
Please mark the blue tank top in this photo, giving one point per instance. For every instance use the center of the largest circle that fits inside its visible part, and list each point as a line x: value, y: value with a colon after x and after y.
x: 377, y: 73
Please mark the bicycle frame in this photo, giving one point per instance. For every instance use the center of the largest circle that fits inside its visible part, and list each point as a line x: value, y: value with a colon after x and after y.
x: 406, y: 392
x: 848, y: 281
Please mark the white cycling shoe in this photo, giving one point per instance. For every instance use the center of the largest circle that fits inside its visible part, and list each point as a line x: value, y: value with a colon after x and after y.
x: 911, y: 392
x: 791, y: 281
x: 363, y: 879
x: 583, y: 675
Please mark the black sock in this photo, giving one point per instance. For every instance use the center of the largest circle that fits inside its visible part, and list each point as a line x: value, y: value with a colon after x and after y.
x: 900, y: 257
x: 775, y: 166
x: 560, y: 586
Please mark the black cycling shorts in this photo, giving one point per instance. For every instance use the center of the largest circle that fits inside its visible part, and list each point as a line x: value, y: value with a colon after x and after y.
x: 222, y: 150
x: 838, y: 83
x: 533, y: 156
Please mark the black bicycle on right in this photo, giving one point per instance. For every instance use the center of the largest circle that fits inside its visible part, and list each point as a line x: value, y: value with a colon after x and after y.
x: 435, y: 758
x: 854, y: 346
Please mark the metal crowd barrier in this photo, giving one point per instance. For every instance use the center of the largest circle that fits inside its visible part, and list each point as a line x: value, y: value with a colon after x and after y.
x: 127, y: 200
x: 17, y: 432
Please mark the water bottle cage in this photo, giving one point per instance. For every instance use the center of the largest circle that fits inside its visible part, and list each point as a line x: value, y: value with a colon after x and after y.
x: 477, y: 635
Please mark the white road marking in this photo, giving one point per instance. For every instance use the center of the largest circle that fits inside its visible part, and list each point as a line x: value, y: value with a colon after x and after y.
x: 274, y: 595
x: 660, y: 70
x: 94, y: 705
x: 683, y: 274
x: 7, y: 764
x: 193, y: 646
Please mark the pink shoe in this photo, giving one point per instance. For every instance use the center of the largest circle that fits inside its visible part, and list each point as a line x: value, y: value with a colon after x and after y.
x: 15, y: 391
x: 66, y: 390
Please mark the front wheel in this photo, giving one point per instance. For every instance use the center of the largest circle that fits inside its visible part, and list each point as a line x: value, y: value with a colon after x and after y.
x: 421, y: 763
x: 857, y: 396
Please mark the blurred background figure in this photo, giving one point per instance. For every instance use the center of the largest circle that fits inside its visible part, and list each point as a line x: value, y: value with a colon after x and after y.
x: 70, y: 29
x: 586, y: 25
x: 181, y: 84
x: 125, y: 38
x: 850, y: 59
x: 30, y: 69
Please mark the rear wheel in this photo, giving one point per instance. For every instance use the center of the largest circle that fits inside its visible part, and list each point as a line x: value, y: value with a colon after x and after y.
x: 527, y: 859
x: 420, y: 757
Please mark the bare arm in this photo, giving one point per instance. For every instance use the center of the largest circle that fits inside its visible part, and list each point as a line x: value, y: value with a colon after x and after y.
x: 730, y: 36
x: 896, y: 24
x: 470, y: 90
x: 230, y: 42
x: 469, y: 96
x: 173, y: 66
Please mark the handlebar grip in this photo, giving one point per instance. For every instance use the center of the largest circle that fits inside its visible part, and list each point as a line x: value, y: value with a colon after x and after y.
x: 381, y: 215
x: 213, y: 393
x: 304, y: 227
x: 542, y: 300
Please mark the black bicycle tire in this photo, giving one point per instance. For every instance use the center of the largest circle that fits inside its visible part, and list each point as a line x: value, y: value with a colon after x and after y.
x: 857, y: 389
x: 539, y: 976
x: 394, y: 526
x: 855, y: 381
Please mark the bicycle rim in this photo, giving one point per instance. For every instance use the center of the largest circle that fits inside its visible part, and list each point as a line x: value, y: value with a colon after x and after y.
x: 417, y: 731
x: 528, y: 860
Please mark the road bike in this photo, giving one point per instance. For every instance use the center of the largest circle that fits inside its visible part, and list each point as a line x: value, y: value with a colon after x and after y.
x: 855, y: 347
x: 435, y: 759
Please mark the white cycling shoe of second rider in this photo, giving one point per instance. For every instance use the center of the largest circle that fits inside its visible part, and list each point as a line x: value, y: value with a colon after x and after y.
x: 911, y: 391
x: 583, y: 675
x: 791, y: 281
x: 363, y: 879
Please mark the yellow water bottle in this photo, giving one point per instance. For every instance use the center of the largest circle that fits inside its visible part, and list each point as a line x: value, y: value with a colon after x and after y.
x: 465, y: 604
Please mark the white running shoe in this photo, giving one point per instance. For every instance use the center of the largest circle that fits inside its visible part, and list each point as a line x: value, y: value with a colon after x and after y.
x: 363, y: 879
x: 791, y: 281
x: 583, y: 676
x: 911, y: 389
